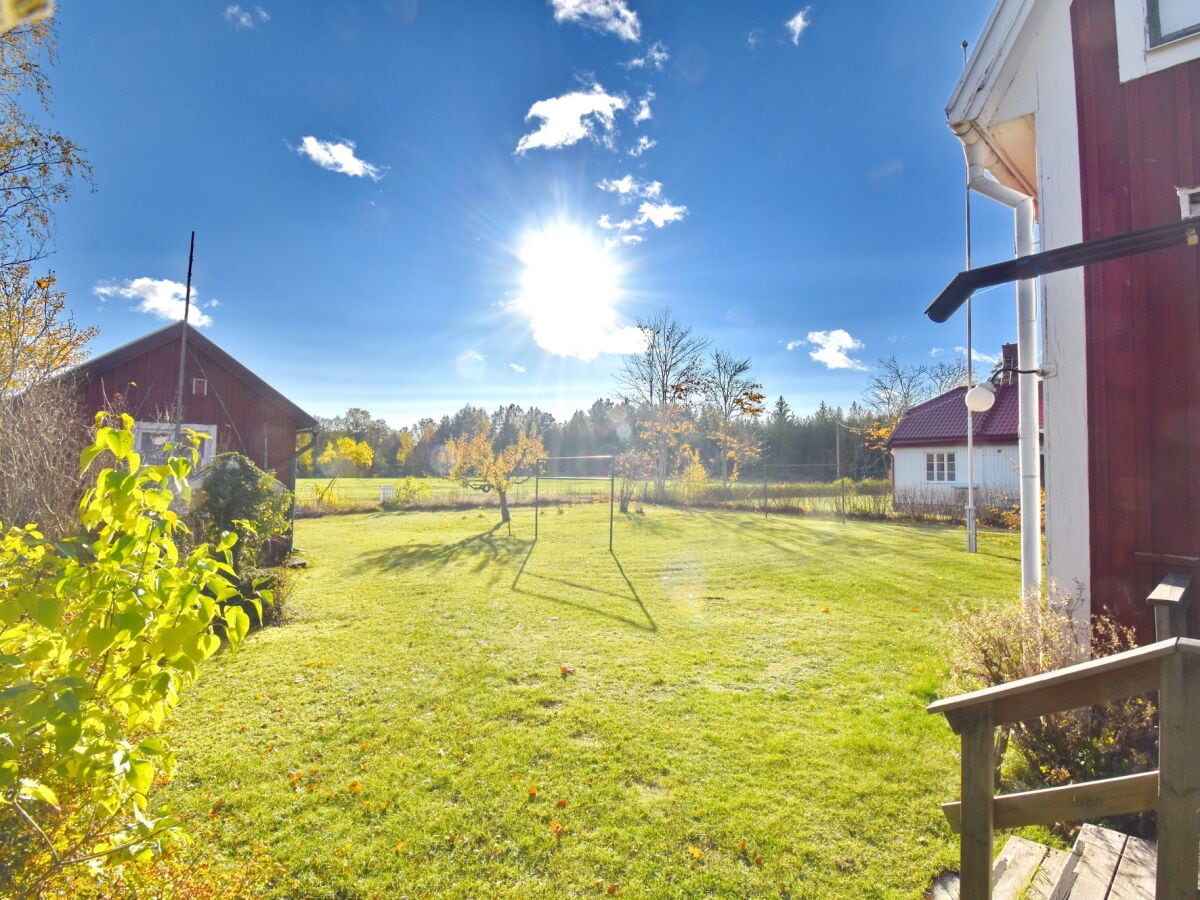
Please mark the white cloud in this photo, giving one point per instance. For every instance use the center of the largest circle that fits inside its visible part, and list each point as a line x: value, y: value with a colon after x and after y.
x: 655, y: 58
x: 657, y: 214
x: 568, y: 119
x: 792, y: 345
x: 628, y: 188
x: 936, y: 351
x: 157, y: 296
x: 977, y: 356
x: 612, y: 16
x: 660, y: 214
x: 833, y: 349
x: 754, y: 38
x: 519, y: 369
x: 643, y: 144
x: 245, y: 18
x: 338, y: 156
x: 798, y: 23
x: 643, y: 110
x: 885, y: 172
x: 471, y: 364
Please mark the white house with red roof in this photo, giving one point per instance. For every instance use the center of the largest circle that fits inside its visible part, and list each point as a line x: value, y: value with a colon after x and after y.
x: 929, y: 449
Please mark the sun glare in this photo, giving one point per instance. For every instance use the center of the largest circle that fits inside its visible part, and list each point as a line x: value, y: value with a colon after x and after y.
x: 569, y: 290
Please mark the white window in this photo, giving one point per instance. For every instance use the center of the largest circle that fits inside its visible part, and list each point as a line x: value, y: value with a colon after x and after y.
x: 152, y: 440
x: 199, y: 387
x: 1153, y: 35
x: 939, y: 467
x: 1170, y: 20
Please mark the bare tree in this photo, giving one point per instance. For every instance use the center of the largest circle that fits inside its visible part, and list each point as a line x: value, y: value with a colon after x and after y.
x: 946, y: 375
x: 37, y: 165
x: 895, y: 388
x: 41, y: 435
x: 734, y: 396
x: 670, y: 369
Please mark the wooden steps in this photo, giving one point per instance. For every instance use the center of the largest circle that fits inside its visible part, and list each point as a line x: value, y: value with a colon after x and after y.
x: 1103, y: 865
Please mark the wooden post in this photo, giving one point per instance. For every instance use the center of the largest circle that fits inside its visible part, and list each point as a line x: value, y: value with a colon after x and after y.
x: 978, y: 792
x: 1178, y: 776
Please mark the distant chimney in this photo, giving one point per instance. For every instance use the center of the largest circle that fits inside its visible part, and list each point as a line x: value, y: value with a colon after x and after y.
x: 1008, y: 355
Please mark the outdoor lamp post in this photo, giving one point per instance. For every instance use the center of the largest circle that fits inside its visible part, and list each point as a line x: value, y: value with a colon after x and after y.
x: 979, y: 399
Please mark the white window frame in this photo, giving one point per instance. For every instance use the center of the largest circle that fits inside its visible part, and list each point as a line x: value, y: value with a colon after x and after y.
x: 1154, y: 22
x: 941, y: 467
x: 1138, y: 53
x: 166, y: 431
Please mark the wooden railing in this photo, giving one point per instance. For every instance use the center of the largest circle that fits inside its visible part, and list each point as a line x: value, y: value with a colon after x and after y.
x: 1172, y: 667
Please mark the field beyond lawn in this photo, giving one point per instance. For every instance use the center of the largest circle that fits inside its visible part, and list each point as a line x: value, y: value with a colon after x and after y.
x: 728, y: 706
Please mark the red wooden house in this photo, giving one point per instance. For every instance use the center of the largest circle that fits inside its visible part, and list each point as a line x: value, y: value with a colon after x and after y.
x: 1091, y: 109
x: 221, y: 398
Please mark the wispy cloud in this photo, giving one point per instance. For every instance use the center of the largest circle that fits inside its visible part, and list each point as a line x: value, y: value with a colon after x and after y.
x: 977, y: 356
x: 245, y: 18
x: 611, y: 16
x: 643, y: 109
x: 655, y: 58
x: 754, y: 38
x: 792, y: 345
x: 936, y: 351
x: 470, y: 364
x: 627, y: 231
x: 629, y: 188
x: 643, y: 144
x: 518, y: 368
x: 886, y: 172
x: 156, y: 296
x: 568, y: 119
x: 660, y: 214
x: 833, y: 349
x: 338, y: 156
x: 798, y: 24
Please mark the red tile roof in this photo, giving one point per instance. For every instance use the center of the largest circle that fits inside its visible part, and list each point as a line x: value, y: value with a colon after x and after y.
x: 943, y: 420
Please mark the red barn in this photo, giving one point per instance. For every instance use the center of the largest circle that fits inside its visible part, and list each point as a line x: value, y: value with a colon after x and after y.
x: 1091, y: 110
x: 221, y: 397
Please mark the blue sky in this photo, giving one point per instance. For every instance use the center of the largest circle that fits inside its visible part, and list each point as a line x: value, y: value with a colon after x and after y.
x: 409, y: 205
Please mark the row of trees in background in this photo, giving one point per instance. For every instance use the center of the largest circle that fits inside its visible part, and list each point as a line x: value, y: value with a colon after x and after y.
x: 685, y: 410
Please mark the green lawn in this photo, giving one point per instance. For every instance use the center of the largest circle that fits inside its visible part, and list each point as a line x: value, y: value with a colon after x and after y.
x: 729, y: 706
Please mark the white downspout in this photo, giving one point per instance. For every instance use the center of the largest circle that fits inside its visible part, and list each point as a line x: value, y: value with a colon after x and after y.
x: 979, y: 158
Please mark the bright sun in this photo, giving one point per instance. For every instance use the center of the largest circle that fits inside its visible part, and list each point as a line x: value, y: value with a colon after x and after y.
x: 570, y: 285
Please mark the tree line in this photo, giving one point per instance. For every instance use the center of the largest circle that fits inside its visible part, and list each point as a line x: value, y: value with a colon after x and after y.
x: 679, y: 410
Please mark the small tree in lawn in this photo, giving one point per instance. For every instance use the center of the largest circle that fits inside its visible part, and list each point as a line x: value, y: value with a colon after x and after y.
x: 475, y: 463
x: 632, y: 468
x: 343, y: 457
x: 736, y: 398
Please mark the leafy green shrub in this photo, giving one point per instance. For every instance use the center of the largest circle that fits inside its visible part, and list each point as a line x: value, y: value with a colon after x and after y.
x: 237, y: 496
x: 99, y: 636
x: 1005, y: 642
x: 406, y: 492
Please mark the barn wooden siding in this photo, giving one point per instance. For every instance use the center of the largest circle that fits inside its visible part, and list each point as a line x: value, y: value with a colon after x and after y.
x: 1138, y: 142
x: 251, y: 416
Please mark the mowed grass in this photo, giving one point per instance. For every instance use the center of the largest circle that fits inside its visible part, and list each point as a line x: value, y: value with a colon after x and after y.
x: 727, y: 706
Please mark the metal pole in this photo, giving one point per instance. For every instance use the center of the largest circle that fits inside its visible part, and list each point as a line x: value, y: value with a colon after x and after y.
x: 612, y: 495
x: 972, y: 536
x: 187, y: 303
x: 537, y: 482
x: 837, y: 430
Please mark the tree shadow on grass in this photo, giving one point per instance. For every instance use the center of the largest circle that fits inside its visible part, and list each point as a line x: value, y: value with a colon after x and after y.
x: 478, y: 552
x: 548, y: 583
